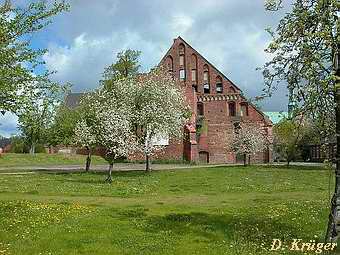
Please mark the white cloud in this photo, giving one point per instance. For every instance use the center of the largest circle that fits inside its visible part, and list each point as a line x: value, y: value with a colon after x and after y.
x: 8, y: 124
x: 83, y: 62
x: 230, y: 34
x: 181, y: 23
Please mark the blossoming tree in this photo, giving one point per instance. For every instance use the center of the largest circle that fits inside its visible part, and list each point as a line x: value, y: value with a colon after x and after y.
x: 248, y: 140
x: 159, y: 110
x: 108, y: 122
x: 84, y: 136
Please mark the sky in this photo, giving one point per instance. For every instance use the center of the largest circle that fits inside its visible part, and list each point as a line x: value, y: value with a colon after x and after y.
x: 230, y: 34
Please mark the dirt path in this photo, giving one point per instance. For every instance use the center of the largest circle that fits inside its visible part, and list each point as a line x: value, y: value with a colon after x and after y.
x: 117, y: 167
x: 78, y: 168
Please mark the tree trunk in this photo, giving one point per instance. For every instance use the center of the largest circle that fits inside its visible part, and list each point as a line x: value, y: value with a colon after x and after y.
x: 333, y: 229
x: 88, y: 160
x: 244, y: 159
x: 109, y: 176
x: 147, y: 163
x: 32, y: 149
x: 249, y: 160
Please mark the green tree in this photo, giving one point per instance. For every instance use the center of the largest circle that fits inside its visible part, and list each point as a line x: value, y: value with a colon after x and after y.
x: 37, y: 112
x: 127, y: 65
x: 287, y: 136
x: 61, y: 132
x: 305, y: 49
x: 18, y: 59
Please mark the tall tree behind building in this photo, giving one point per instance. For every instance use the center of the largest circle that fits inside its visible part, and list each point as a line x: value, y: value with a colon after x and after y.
x: 127, y: 65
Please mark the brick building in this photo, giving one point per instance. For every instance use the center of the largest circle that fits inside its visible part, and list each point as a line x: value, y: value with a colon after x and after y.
x: 218, y: 107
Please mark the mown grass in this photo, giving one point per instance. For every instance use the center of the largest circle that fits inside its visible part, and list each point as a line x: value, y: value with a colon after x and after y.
x: 222, y: 210
x: 44, y: 159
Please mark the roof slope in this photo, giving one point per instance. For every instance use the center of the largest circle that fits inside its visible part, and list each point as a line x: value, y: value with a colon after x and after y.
x: 72, y: 100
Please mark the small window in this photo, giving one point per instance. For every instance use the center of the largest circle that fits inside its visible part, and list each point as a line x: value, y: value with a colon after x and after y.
x: 193, y: 75
x: 219, y: 88
x: 232, y: 109
x: 181, y: 60
x: 200, y: 109
x: 206, y: 88
x: 205, y: 76
x: 181, y: 49
x: 182, y: 74
x: 244, y: 110
x: 206, y: 73
x: 194, y: 87
x: 170, y: 64
x: 219, y: 85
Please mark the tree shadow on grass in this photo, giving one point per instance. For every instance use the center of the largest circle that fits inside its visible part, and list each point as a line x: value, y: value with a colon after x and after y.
x: 100, y: 176
x: 245, y: 228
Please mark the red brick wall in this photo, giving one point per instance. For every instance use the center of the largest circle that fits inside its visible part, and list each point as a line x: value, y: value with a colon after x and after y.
x: 174, y: 151
x: 220, y: 126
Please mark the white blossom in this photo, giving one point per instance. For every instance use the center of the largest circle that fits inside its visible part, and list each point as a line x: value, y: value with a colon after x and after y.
x: 248, y: 139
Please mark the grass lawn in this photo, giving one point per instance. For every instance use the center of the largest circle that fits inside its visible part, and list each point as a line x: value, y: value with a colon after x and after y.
x: 222, y: 210
x: 44, y: 159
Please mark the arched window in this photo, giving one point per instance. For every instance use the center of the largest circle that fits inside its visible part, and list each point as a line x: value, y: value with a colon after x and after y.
x: 193, y: 68
x: 206, y: 85
x: 170, y: 64
x: 181, y: 49
x: 244, y: 109
x: 219, y: 85
x: 232, y: 90
x: 200, y: 109
x: 206, y: 73
x: 232, y: 109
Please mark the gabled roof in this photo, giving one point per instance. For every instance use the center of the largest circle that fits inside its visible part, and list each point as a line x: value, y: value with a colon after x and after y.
x: 199, y: 54
x: 222, y: 74
x: 72, y: 100
x: 4, y: 142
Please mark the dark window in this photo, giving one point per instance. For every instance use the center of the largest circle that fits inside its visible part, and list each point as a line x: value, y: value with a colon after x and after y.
x: 200, y: 109
x: 232, y: 109
x: 170, y: 64
x: 206, y: 88
x: 219, y: 85
x: 182, y: 74
x: 194, y: 86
